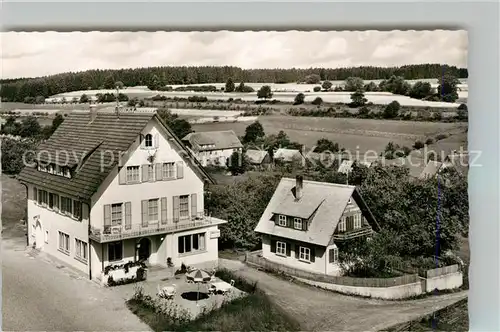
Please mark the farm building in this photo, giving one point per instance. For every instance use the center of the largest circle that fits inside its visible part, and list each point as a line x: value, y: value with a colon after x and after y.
x: 288, y: 156
x: 213, y: 147
x: 305, y: 221
x: 112, y: 189
x: 258, y: 157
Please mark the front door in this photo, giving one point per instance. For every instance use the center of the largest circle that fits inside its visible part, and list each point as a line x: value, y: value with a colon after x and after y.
x: 144, y: 249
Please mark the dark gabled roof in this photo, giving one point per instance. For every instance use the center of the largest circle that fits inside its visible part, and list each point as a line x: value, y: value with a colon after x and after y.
x: 82, y: 140
x: 221, y: 140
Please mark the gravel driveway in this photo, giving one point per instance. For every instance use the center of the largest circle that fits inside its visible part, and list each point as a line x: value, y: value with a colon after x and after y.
x: 320, y: 310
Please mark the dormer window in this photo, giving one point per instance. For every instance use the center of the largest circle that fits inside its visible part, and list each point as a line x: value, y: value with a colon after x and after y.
x: 50, y: 169
x: 67, y: 172
x: 59, y: 170
x: 282, y: 220
x: 148, y: 141
x: 297, y: 223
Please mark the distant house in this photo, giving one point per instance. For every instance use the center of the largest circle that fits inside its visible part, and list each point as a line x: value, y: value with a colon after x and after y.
x: 213, y: 147
x: 111, y: 189
x: 458, y: 161
x: 288, y: 156
x: 258, y: 157
x: 346, y: 165
x: 415, y: 164
x: 305, y: 220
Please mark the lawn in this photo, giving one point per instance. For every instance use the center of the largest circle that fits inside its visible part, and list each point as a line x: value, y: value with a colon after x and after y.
x: 13, y: 207
x: 353, y: 134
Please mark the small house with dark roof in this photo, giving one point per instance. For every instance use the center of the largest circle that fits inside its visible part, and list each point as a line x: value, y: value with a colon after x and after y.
x: 258, y: 158
x: 306, y: 220
x: 213, y: 147
x: 109, y: 188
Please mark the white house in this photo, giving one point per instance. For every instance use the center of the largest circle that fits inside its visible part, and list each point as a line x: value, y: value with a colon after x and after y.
x: 110, y: 188
x: 213, y: 147
x: 305, y: 221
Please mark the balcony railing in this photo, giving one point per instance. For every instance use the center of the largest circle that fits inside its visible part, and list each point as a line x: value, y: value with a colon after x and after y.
x: 351, y: 234
x: 133, y: 230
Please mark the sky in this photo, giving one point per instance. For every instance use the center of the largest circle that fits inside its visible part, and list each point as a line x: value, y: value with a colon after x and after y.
x: 33, y: 54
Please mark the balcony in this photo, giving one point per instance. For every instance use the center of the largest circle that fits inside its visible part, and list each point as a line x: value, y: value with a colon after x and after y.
x: 133, y: 230
x: 354, y: 233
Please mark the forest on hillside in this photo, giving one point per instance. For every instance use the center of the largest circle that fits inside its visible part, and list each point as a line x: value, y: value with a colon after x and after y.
x: 16, y: 90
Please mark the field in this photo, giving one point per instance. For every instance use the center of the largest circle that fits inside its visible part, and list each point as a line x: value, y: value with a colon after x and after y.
x: 283, y: 92
x: 353, y: 134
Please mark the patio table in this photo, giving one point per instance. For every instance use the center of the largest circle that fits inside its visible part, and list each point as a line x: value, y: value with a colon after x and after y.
x: 221, y: 286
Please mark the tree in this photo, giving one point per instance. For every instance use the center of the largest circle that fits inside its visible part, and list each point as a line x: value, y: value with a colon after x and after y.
x: 447, y: 88
x: 317, y: 89
x: 462, y: 114
x: 462, y: 107
x: 180, y: 127
x: 13, y: 151
x: 39, y: 99
x: 317, y: 101
x: 264, y: 92
x: 420, y: 90
x: 371, y: 87
x: 327, y: 85
x: 358, y: 99
x: 237, y: 163
x: 324, y: 144
x: 253, y: 132
x: 229, y: 85
x: 122, y: 97
x: 392, y: 110
x: 119, y: 85
x: 395, y: 84
x: 353, y: 84
x: 84, y: 99
x: 57, y: 121
x: 312, y: 79
x: 244, y: 88
x: 299, y: 99
x: 11, y: 126
x: 30, y: 127
x: 418, y: 145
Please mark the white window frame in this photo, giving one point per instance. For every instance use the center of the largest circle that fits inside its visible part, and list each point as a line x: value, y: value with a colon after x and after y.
x: 305, y: 254
x: 115, y: 219
x: 201, y: 243
x: 282, y: 220
x: 168, y: 170
x: 297, y: 223
x: 342, y: 224
x: 63, y: 207
x: 151, y: 172
x: 148, y: 141
x: 81, y: 250
x: 184, y: 206
x: 133, y: 174
x: 63, y: 243
x: 153, y: 205
x: 281, y: 248
x: 335, y: 252
x: 357, y: 221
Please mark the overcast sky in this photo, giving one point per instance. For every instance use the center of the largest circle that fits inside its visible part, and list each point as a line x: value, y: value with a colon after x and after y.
x: 30, y: 54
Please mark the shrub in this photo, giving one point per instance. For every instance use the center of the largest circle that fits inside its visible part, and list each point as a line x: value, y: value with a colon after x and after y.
x: 317, y: 89
x: 462, y: 107
x: 317, y: 101
x: 418, y: 145
x: 392, y: 110
x: 441, y: 136
x: 429, y: 141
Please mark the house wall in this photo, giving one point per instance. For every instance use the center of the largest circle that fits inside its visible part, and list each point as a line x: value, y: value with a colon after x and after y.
x: 53, y: 222
x: 319, y: 265
x: 215, y: 156
x: 96, y: 259
x: 111, y: 191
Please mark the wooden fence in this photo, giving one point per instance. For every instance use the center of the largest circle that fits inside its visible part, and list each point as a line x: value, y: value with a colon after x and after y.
x: 442, y: 271
x: 253, y: 258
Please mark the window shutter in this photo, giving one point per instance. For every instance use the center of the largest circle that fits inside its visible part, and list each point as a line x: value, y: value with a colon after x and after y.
x: 313, y: 254
x: 144, y: 169
x: 273, y: 245
x: 289, y: 221
x: 163, y: 210
x: 156, y: 141
x: 304, y: 224
x: 145, y: 220
x: 122, y: 175
x: 194, y: 205
x: 297, y: 251
x: 128, y: 215
x: 180, y: 169
x: 330, y: 256
x: 275, y: 219
x: 288, y: 249
x: 107, y: 215
x: 176, y: 208
x: 159, y: 172
x: 35, y: 193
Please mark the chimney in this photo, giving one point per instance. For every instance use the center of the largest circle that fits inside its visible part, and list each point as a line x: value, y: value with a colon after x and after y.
x: 299, y: 184
x: 93, y: 112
